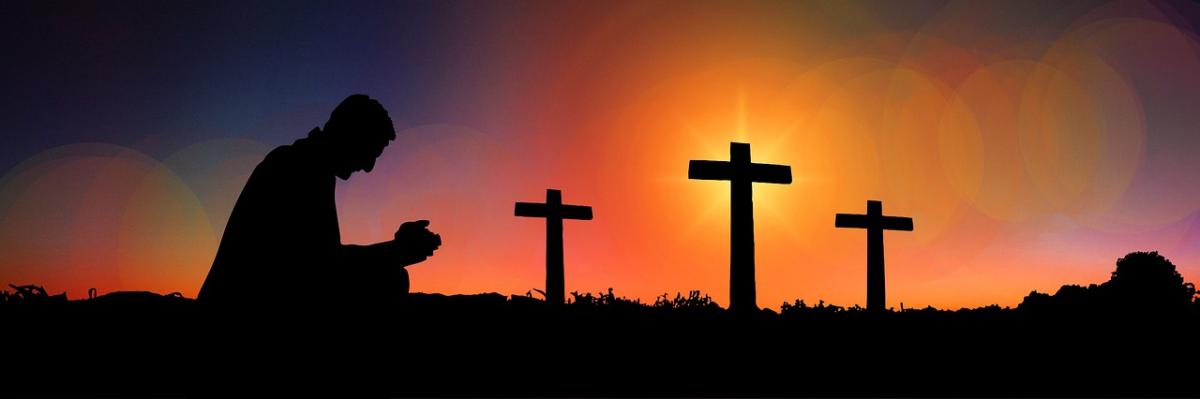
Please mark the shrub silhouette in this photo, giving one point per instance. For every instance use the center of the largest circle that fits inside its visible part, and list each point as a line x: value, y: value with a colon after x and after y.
x: 1144, y: 283
x: 1147, y: 279
x: 694, y: 300
x: 607, y: 301
x: 821, y: 311
x: 30, y: 294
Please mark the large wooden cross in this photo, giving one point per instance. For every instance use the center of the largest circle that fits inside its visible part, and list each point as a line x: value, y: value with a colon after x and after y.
x: 554, y: 212
x: 875, y: 223
x: 741, y: 174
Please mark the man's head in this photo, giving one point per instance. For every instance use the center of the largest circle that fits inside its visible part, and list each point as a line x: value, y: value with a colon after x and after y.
x: 356, y: 133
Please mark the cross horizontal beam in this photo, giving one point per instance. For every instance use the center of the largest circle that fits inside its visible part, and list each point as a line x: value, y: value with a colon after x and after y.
x: 553, y: 208
x: 724, y: 170
x: 538, y: 210
x: 873, y: 221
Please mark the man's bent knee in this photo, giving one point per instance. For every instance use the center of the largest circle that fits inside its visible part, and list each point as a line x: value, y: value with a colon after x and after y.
x: 402, y: 283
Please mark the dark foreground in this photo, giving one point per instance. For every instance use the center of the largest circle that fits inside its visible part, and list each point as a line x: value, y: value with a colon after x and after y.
x: 489, y: 345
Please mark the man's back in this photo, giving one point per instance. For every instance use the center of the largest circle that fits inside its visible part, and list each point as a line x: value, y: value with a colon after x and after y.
x: 281, y: 233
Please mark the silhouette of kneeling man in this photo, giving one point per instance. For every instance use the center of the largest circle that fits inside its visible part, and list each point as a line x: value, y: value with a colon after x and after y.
x: 282, y: 243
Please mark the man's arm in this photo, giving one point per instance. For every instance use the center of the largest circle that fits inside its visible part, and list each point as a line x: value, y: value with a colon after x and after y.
x: 412, y: 244
x: 379, y: 255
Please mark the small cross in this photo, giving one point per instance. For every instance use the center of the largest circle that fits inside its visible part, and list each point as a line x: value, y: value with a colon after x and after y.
x: 554, y: 212
x: 875, y: 223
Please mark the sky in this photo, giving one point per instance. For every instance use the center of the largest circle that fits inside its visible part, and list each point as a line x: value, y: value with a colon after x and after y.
x: 1033, y: 143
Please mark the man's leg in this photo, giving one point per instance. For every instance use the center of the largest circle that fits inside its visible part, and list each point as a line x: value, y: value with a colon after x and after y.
x: 392, y: 287
x: 383, y: 287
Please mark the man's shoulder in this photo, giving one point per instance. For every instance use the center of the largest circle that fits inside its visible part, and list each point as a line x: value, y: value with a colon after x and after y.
x: 288, y: 155
x: 277, y: 159
x: 290, y: 162
x: 281, y: 153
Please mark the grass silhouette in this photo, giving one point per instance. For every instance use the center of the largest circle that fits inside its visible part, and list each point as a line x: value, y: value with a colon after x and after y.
x: 1124, y: 337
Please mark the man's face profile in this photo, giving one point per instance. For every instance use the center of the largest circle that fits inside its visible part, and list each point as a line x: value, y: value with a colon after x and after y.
x: 359, y: 130
x: 359, y: 152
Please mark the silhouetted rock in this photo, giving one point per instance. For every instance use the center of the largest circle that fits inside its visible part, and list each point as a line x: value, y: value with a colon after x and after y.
x: 139, y: 298
x: 490, y: 299
x: 525, y: 300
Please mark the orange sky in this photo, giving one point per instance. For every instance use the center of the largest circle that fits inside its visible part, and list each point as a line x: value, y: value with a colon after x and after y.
x: 1029, y: 154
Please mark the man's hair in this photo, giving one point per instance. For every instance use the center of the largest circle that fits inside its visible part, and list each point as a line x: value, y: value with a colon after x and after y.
x: 359, y: 114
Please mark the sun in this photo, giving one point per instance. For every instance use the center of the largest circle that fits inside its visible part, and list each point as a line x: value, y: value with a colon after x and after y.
x: 769, y: 201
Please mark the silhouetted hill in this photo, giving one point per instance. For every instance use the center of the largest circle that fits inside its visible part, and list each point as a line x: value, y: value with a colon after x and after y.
x: 606, y: 345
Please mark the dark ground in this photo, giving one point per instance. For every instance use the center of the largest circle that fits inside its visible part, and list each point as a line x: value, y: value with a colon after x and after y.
x: 489, y: 345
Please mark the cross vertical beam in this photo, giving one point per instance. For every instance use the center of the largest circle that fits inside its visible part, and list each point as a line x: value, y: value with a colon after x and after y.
x: 741, y: 238
x: 741, y: 174
x: 555, y: 280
